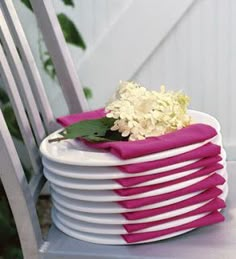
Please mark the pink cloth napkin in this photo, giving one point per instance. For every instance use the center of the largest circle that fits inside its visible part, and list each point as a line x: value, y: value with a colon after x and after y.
x: 137, y: 190
x: 209, y: 182
x: 129, y: 149
x: 130, y: 181
x: 198, y: 153
x: 73, y: 118
x: 212, y: 205
x: 204, y: 196
x: 212, y: 218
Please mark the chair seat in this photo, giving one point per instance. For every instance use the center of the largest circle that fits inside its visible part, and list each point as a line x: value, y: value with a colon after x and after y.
x: 217, y: 241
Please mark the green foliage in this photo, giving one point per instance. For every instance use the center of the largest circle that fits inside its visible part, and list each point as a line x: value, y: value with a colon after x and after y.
x: 9, y: 115
x: 88, y: 128
x: 3, y: 97
x: 97, y: 130
x: 14, y: 252
x: 10, y: 246
x: 6, y: 230
x: 27, y: 4
x: 88, y: 93
x: 48, y: 66
x: 50, y: 70
x: 28, y: 172
x: 69, y: 2
x: 70, y: 31
x: 11, y: 121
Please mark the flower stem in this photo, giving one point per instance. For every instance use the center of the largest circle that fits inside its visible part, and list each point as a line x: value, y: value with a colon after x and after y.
x: 56, y: 139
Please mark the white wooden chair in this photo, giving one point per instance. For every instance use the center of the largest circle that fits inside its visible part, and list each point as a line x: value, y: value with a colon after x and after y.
x: 26, y: 93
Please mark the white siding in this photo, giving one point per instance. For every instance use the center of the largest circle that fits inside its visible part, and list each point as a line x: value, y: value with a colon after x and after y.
x: 92, y: 18
x: 199, y: 56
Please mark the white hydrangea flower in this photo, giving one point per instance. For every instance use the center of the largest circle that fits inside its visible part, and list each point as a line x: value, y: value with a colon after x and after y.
x: 140, y: 113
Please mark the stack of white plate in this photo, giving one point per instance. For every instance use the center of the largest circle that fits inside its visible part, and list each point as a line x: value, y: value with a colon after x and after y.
x: 85, y: 191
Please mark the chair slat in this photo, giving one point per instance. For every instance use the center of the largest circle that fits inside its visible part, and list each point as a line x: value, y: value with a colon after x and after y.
x: 19, y: 110
x: 19, y: 196
x: 22, y: 80
x: 57, y: 47
x: 29, y: 64
x: 36, y: 184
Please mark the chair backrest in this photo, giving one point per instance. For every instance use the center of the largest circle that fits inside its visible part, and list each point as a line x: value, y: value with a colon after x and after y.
x: 19, y: 194
x: 35, y: 118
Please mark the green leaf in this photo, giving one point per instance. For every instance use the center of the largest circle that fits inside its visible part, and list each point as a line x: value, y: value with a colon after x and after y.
x: 5, y: 211
x: 18, y: 51
x: 70, y: 31
x: 49, y: 66
x: 7, y: 227
x: 11, y: 121
x: 88, y: 129
x: 3, y: 96
x: 97, y: 130
x: 27, y: 4
x: 115, y: 136
x: 96, y: 139
x: 13, y: 252
x: 69, y: 2
x: 88, y: 93
x: 109, y: 136
x: 27, y: 172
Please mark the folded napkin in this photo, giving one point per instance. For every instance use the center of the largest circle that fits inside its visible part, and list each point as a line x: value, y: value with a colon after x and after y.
x: 212, y: 205
x: 137, y: 190
x: 210, y: 182
x: 212, y: 218
x: 73, y: 118
x: 129, y: 149
x: 204, y: 196
x: 130, y: 181
x: 198, y: 153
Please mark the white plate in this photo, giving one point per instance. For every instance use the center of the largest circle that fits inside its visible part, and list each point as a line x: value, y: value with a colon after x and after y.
x: 107, y: 239
x: 115, y: 229
x: 74, y: 152
x: 113, y: 207
x: 102, y: 173
x: 109, y: 195
x: 201, y: 117
x: 119, y: 219
x: 107, y: 184
x: 110, y: 207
